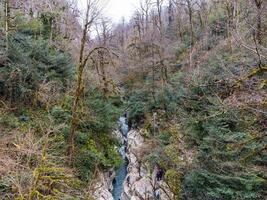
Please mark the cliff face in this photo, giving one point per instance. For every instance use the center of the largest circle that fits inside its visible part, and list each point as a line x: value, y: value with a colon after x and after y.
x: 141, y: 182
x: 103, y: 186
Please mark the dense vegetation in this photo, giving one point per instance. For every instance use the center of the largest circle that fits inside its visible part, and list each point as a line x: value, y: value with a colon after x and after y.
x: 36, y: 76
x: 191, y: 74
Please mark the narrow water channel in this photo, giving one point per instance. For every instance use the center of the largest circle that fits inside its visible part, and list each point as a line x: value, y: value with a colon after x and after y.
x: 121, y: 172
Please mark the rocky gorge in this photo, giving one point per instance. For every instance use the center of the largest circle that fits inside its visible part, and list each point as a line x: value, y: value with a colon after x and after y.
x: 139, y: 181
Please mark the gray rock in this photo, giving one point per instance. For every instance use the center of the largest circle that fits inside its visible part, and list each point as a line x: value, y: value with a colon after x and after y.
x: 142, y: 183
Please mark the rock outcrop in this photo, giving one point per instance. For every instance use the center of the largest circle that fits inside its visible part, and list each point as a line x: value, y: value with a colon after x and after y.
x: 103, y: 186
x: 140, y: 182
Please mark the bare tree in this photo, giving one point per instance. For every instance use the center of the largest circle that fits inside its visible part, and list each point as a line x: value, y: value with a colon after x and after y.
x: 93, y: 10
x: 159, y: 4
x: 189, y: 7
x: 145, y: 8
x: 179, y: 20
x: 231, y: 10
x: 170, y: 27
x: 122, y: 33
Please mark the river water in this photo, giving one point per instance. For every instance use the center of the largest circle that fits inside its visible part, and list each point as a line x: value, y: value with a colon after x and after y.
x: 121, y: 172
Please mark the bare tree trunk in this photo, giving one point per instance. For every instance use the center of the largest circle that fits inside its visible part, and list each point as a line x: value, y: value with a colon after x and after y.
x: 192, y: 36
x: 51, y: 31
x: 153, y: 81
x: 159, y: 10
x: 229, y: 5
x: 190, y: 13
x: 78, y: 91
x: 7, y: 22
x: 179, y: 21
x: 145, y: 7
x: 122, y: 39
x: 146, y: 18
x: 103, y: 73
x: 201, y: 20
x: 259, y: 21
x: 170, y: 28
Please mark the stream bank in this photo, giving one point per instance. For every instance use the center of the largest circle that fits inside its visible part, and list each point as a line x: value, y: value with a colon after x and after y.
x: 121, y: 172
x: 141, y: 182
x: 134, y: 180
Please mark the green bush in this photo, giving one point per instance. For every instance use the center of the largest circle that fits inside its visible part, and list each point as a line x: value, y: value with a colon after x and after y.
x: 31, y: 62
x: 95, y: 145
x: 61, y: 115
x: 9, y: 121
x: 104, y: 112
x: 138, y: 105
x: 223, y: 138
x: 96, y: 155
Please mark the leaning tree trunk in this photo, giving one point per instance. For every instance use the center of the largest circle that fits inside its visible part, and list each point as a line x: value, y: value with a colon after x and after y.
x: 79, y: 89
